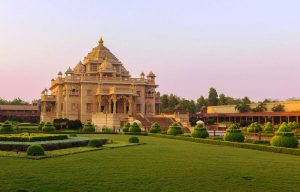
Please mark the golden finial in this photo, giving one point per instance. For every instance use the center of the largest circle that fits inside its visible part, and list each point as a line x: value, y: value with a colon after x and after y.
x: 100, y: 40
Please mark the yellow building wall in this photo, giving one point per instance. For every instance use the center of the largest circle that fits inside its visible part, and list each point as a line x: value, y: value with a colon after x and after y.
x: 289, y: 106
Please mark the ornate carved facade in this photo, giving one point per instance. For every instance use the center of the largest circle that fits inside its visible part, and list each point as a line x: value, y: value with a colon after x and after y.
x: 100, y: 89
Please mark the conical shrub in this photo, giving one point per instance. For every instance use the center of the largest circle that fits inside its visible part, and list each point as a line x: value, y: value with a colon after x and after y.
x: 284, y: 137
x: 200, y: 131
x: 234, y: 134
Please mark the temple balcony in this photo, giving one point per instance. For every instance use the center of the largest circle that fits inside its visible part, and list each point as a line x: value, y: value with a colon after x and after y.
x: 120, y: 91
x: 51, y: 98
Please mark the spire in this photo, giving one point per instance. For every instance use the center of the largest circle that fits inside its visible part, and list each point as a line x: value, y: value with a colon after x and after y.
x: 100, y: 41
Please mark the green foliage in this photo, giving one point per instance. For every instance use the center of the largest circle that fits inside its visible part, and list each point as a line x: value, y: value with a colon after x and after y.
x: 268, y: 127
x: 126, y: 127
x: 48, y: 127
x: 74, y: 124
x: 32, y: 137
x: 133, y: 140
x: 155, y: 128
x: 88, y: 127
x: 95, y: 143
x: 134, y: 128
x: 200, y: 131
x: 284, y: 137
x: 234, y: 134
x: 35, y: 150
x: 261, y: 107
x: 174, y: 129
x: 7, y: 127
x: 278, y: 108
x: 293, y: 125
x: 243, y: 107
x: 16, y: 101
x: 41, y: 125
x: 254, y: 127
x: 212, y: 97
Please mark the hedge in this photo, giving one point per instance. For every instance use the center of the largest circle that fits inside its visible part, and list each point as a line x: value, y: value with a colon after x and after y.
x: 267, y: 148
x: 134, y: 128
x: 133, y: 140
x: 47, y: 145
x: 136, y: 133
x: 32, y: 137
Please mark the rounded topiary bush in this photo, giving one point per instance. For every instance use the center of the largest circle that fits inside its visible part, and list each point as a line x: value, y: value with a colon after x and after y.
x: 95, y: 143
x: 234, y: 134
x: 48, y: 127
x: 88, y: 127
x: 135, y: 128
x: 254, y: 127
x: 174, y: 129
x: 7, y: 127
x: 200, y: 131
x: 126, y: 127
x: 155, y: 128
x: 35, y: 150
x: 268, y: 127
x: 133, y: 140
x: 284, y: 137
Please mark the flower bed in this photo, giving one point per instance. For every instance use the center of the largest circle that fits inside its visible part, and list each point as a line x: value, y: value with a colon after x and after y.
x: 26, y: 137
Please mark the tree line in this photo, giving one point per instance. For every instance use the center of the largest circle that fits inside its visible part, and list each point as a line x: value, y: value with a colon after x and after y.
x: 16, y: 101
x: 171, y: 103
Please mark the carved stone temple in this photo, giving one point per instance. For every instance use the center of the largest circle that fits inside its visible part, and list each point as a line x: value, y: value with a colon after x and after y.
x: 100, y: 89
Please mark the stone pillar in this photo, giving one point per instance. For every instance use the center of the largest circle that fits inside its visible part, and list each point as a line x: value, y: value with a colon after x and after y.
x: 115, y: 105
x: 130, y: 105
x: 273, y: 121
x: 109, y: 105
x: 288, y: 118
x: 280, y: 120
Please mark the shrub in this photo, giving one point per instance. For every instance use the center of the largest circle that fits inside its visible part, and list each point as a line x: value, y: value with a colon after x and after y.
x: 134, y: 128
x: 284, y: 137
x: 88, y: 127
x: 200, y: 131
x: 174, y: 129
x: 35, y: 150
x: 95, y: 143
x: 254, y: 127
x: 133, y: 140
x: 32, y: 137
x: 155, y: 128
x: 126, y: 127
x: 293, y: 125
x: 234, y: 134
x: 48, y: 127
x: 268, y: 127
x: 41, y: 125
x: 74, y: 124
x: 7, y: 127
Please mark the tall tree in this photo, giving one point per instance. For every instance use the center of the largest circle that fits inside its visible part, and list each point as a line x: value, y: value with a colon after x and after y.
x: 222, y: 99
x: 212, y: 97
x: 201, y: 102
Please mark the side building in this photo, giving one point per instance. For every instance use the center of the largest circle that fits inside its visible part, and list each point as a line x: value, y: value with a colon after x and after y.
x: 100, y: 89
x: 290, y: 113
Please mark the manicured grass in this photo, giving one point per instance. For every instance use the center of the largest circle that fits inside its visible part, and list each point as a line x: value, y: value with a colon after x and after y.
x: 160, y: 165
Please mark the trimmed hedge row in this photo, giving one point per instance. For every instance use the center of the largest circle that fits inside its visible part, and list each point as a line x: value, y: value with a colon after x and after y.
x: 136, y: 133
x: 32, y: 138
x: 284, y: 150
x: 47, y: 146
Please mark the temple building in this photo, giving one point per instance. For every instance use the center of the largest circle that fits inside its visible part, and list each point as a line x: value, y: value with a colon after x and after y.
x: 100, y: 89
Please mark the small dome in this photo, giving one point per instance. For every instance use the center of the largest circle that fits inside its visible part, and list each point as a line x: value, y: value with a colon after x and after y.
x: 142, y: 74
x: 69, y: 71
x: 59, y: 73
x: 151, y: 74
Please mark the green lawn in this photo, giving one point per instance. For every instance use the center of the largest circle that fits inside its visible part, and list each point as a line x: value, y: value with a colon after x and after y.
x: 160, y: 165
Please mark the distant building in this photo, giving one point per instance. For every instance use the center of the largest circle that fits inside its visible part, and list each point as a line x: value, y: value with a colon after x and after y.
x: 229, y: 113
x: 100, y: 89
x: 23, y: 113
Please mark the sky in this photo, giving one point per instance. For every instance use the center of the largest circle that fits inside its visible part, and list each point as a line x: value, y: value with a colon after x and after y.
x: 241, y: 48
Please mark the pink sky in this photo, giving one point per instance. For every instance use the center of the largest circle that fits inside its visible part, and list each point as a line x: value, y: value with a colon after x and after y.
x: 248, y: 48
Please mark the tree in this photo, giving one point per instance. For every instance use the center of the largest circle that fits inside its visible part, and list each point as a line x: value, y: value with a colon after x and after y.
x: 261, y: 107
x: 212, y: 97
x: 201, y: 102
x: 278, y: 108
x: 242, y: 107
x: 222, y: 99
x: 164, y: 101
x: 246, y: 100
